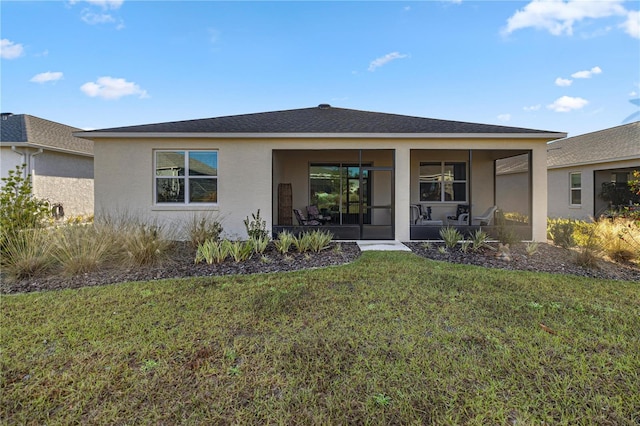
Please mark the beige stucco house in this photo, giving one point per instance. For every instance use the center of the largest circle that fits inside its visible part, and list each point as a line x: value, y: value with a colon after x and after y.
x: 577, y: 169
x: 364, y: 170
x: 60, y: 164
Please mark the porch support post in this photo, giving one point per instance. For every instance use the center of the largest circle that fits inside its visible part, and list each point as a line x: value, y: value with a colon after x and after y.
x: 403, y: 193
x: 538, y: 170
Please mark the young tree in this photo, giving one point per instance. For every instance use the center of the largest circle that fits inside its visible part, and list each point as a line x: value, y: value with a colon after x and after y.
x: 19, y: 209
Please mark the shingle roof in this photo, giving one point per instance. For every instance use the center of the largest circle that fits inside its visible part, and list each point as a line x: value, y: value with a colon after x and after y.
x: 23, y: 128
x: 322, y: 119
x: 613, y: 144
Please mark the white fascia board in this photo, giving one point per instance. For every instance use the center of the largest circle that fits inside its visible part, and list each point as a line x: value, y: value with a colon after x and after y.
x: 45, y: 147
x: 589, y: 163
x: 157, y: 135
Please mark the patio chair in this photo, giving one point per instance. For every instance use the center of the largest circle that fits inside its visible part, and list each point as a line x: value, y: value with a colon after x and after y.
x: 485, y: 218
x: 461, y: 217
x: 420, y: 214
x: 303, y: 220
x: 314, y: 214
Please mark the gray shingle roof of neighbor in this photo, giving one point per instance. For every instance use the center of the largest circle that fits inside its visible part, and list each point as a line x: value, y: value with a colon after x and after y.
x: 613, y: 144
x: 323, y: 119
x: 41, y: 133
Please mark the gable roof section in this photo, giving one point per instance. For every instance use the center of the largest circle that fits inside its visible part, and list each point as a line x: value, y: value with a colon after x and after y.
x: 614, y: 144
x: 323, y: 120
x: 33, y: 131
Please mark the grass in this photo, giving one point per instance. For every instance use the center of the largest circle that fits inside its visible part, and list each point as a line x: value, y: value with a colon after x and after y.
x: 390, y: 339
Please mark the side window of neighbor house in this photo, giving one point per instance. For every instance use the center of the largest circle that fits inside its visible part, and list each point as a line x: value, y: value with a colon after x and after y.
x: 186, y: 177
x: 575, y: 182
x: 443, y: 181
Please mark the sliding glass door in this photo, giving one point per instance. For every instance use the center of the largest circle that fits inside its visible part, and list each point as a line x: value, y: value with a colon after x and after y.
x: 340, y: 190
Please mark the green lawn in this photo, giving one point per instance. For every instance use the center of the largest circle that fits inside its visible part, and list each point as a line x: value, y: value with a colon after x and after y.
x: 390, y: 339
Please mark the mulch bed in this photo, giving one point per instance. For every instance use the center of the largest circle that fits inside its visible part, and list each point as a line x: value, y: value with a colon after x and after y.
x: 548, y: 258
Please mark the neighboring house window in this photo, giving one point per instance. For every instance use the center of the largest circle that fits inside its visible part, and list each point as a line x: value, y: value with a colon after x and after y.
x: 575, y: 180
x: 443, y: 181
x: 186, y: 177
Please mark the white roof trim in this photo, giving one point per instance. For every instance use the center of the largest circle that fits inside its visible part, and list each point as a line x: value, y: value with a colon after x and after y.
x: 588, y: 163
x: 46, y: 148
x: 155, y: 135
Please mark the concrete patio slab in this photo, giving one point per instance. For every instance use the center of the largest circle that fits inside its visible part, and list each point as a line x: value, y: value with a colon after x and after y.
x: 382, y: 245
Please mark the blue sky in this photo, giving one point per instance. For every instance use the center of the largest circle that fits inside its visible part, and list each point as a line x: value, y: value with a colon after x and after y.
x: 571, y: 66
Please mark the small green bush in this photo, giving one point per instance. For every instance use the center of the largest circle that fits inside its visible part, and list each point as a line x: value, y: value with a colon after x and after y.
x: 303, y: 242
x: 239, y: 250
x: 145, y: 245
x: 560, y: 231
x: 203, y: 228
x: 19, y: 209
x: 320, y: 240
x: 450, y: 236
x: 212, y: 251
x: 27, y: 254
x: 81, y: 248
x: 259, y: 244
x: 479, y: 239
x: 284, y: 242
x: 506, y: 232
x: 256, y: 227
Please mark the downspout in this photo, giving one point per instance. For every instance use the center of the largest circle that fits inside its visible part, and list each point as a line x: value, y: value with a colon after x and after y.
x: 27, y: 160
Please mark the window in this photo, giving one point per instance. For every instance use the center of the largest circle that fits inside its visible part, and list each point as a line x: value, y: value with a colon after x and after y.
x: 575, y: 182
x: 443, y: 181
x: 186, y: 177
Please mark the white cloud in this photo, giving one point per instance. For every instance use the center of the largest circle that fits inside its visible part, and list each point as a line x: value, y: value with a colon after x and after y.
x: 567, y: 103
x: 96, y: 18
x: 532, y: 107
x: 376, y: 63
x: 105, y: 4
x: 559, y: 16
x: 504, y: 117
x: 632, y: 25
x: 10, y: 50
x: 112, y: 88
x: 587, y: 74
x: 46, y: 76
x: 633, y: 93
x: 563, y: 82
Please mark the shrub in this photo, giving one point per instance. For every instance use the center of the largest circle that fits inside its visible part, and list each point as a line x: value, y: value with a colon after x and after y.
x: 256, y: 227
x: 531, y: 248
x: 620, y: 239
x: 212, y: 251
x: 259, y: 245
x: 320, y: 240
x: 303, y: 242
x: 26, y: 254
x: 19, y: 209
x: 560, y: 231
x: 238, y: 250
x: 451, y: 236
x: 145, y: 245
x: 203, y: 228
x: 81, y: 248
x: 284, y: 242
x: 479, y: 239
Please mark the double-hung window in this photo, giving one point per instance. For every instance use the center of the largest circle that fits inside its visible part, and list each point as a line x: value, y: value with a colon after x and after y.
x: 186, y: 177
x: 575, y: 189
x: 443, y: 181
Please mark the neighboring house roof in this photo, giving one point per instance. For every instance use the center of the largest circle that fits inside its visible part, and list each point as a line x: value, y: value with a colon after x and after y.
x: 613, y: 144
x: 609, y: 145
x: 23, y: 129
x: 321, y: 120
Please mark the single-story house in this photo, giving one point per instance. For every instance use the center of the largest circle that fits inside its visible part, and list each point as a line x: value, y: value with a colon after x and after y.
x: 578, y: 168
x: 60, y: 164
x: 364, y: 170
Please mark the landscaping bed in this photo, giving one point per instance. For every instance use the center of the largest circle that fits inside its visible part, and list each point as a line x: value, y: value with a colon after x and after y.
x: 180, y: 263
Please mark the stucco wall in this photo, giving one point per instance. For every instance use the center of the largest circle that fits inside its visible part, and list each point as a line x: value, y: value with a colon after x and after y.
x: 75, y: 194
x: 8, y: 161
x: 124, y: 175
x: 558, y: 191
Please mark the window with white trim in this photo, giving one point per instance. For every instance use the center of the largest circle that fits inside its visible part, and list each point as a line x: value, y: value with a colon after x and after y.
x: 186, y: 177
x: 575, y: 189
x: 443, y: 181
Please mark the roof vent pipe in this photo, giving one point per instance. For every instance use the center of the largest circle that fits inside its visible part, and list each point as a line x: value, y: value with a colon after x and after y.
x: 324, y: 106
